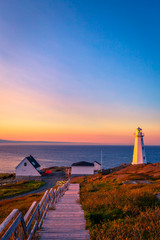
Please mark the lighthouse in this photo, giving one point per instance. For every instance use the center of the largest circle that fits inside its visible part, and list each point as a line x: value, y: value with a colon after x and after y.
x: 139, y: 156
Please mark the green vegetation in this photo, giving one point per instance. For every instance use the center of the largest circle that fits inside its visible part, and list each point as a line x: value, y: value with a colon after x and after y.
x: 118, y: 211
x: 4, y: 176
x: 60, y: 183
x: 21, y: 203
x: 10, y: 190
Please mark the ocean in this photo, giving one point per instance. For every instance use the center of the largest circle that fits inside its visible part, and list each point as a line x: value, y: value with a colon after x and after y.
x: 64, y: 155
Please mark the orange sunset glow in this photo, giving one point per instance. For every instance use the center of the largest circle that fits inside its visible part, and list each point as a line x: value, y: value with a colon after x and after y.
x: 74, y: 91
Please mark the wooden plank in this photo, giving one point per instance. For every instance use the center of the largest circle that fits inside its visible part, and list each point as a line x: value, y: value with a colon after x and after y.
x: 64, y: 236
x: 12, y: 215
x: 13, y: 226
x: 27, y: 215
x: 16, y: 227
x: 67, y: 220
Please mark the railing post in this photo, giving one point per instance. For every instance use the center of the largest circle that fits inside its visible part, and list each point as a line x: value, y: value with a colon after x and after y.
x: 16, y: 227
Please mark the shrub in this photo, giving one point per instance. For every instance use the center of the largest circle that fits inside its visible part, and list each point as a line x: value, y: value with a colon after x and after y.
x: 115, y: 211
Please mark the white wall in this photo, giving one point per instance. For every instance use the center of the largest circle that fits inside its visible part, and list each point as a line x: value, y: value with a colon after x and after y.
x: 83, y: 170
x: 97, y: 167
x: 28, y: 170
x: 139, y: 156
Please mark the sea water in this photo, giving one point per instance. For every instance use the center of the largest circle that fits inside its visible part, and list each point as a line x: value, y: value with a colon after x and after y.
x: 65, y: 155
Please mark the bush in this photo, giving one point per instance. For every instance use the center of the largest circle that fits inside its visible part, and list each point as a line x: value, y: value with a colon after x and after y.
x: 115, y: 211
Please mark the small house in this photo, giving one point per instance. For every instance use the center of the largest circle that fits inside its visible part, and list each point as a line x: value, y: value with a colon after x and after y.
x: 97, y: 166
x: 28, y: 167
x: 82, y: 168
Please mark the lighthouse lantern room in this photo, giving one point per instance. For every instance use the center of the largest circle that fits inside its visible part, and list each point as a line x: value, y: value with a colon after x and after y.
x: 139, y: 156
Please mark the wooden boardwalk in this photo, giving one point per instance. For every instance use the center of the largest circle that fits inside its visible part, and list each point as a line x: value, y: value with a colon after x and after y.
x: 67, y: 221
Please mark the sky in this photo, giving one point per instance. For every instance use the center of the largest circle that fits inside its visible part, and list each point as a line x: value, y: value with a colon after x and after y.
x: 80, y: 71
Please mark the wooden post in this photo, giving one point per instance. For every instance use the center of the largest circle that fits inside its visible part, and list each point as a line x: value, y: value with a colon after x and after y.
x: 15, y: 226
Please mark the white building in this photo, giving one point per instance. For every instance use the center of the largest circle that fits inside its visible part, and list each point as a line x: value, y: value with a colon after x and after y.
x: 97, y: 166
x: 82, y: 168
x: 85, y: 168
x: 28, y: 167
x: 139, y: 156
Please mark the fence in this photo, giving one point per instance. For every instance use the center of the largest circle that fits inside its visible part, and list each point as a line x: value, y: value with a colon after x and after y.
x: 17, y: 227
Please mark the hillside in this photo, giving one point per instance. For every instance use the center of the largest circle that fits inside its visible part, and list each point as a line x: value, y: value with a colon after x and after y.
x: 122, y: 204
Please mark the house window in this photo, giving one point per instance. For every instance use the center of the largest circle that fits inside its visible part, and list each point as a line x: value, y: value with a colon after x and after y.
x: 143, y: 157
x: 25, y: 164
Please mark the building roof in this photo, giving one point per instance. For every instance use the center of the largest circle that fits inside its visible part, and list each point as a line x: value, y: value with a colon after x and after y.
x: 33, y: 161
x: 83, y: 164
x: 97, y: 162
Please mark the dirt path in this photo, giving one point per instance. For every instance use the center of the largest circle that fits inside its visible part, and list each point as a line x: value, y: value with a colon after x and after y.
x: 50, y: 181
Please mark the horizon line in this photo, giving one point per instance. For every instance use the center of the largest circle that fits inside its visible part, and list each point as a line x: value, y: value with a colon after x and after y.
x: 3, y: 141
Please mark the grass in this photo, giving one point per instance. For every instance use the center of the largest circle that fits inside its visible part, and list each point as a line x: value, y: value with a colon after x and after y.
x: 10, y: 190
x: 117, y: 211
x: 21, y: 203
x: 4, y: 176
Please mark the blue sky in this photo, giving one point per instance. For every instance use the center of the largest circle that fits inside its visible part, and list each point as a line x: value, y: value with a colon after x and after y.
x: 95, y: 61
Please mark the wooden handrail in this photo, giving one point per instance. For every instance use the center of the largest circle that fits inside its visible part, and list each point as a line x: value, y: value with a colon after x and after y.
x: 15, y: 226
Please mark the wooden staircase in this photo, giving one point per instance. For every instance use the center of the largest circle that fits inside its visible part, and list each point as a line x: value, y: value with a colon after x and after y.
x: 67, y: 221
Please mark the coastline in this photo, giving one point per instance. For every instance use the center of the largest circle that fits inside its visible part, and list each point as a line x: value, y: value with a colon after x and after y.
x: 60, y: 155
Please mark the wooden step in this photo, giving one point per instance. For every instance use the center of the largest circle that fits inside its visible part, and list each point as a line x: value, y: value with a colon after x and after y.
x: 67, y: 221
x: 79, y: 235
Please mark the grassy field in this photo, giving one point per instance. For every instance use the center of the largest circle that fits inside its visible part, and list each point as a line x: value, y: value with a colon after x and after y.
x: 4, y: 176
x: 21, y: 203
x: 19, y: 188
x: 115, y: 210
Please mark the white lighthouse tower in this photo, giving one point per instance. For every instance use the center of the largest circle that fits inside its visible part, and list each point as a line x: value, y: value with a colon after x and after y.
x: 139, y: 156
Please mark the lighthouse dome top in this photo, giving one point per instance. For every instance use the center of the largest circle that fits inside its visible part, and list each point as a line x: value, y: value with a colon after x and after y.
x: 139, y: 132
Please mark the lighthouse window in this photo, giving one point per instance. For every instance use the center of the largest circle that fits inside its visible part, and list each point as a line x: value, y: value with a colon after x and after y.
x: 25, y: 164
x: 143, y: 157
x: 142, y: 147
